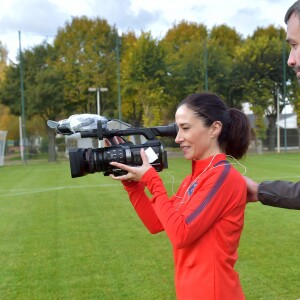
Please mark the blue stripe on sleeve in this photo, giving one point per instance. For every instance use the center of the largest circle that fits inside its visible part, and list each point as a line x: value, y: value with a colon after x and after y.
x: 209, y: 196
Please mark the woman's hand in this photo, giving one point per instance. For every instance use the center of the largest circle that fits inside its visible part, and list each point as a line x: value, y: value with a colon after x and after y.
x: 116, y: 140
x: 134, y: 173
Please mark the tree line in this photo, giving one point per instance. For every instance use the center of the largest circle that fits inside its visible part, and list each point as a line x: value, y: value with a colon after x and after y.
x: 147, y: 75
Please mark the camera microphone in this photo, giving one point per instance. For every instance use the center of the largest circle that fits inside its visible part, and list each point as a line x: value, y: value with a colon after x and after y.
x: 78, y: 123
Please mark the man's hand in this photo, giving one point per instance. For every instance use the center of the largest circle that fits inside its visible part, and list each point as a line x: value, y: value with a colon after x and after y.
x: 252, y: 190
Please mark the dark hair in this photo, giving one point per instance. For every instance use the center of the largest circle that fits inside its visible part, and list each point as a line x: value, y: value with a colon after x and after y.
x: 295, y: 8
x: 234, y: 138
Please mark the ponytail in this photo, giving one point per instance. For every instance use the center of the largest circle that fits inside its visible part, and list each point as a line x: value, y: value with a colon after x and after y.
x: 238, y: 134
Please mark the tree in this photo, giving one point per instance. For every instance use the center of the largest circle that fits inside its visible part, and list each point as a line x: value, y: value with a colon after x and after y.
x: 143, y: 80
x: 184, y: 45
x: 222, y: 44
x: 199, y: 59
x: 10, y: 89
x: 48, y: 90
x: 43, y: 89
x: 259, y: 75
x: 86, y: 56
x: 9, y: 123
x: 3, y: 60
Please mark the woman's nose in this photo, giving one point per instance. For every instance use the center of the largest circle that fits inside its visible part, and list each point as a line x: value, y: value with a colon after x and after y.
x: 178, y: 138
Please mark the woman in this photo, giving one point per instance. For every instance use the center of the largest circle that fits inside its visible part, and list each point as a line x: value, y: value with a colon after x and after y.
x: 204, y: 220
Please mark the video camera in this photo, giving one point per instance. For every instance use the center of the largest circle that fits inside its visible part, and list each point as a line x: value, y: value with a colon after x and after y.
x: 85, y: 161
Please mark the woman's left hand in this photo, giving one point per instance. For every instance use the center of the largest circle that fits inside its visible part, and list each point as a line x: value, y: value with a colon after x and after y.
x: 134, y: 173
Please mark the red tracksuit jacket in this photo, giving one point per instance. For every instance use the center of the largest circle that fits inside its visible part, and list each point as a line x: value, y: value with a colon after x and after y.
x: 203, y: 221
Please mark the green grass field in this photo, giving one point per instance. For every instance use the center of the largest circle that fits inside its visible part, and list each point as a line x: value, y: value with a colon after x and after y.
x: 64, y: 238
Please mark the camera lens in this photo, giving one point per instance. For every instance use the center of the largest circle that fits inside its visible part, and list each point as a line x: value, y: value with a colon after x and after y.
x: 89, y: 161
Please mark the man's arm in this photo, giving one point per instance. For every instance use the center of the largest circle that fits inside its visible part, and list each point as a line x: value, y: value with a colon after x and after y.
x: 252, y: 190
x: 280, y: 193
x: 277, y: 193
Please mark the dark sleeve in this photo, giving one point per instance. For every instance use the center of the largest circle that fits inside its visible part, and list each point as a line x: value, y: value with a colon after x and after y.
x: 279, y: 193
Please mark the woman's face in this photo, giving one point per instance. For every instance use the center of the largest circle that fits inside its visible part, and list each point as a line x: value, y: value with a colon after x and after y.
x: 195, y: 139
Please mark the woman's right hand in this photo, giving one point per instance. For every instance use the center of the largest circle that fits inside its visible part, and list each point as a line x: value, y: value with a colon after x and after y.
x: 134, y: 173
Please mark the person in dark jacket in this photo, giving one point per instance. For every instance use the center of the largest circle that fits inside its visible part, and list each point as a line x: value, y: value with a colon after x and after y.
x: 277, y: 193
x: 280, y: 193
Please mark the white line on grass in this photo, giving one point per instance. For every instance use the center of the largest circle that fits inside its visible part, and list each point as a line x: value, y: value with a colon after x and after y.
x: 49, y: 189
x: 22, y: 192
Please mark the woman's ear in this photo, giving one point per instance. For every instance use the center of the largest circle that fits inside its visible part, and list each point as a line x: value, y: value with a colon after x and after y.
x: 216, y: 128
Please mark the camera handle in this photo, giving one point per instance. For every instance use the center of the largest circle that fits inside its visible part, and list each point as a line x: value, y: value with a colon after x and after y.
x: 103, y: 133
x: 148, y: 133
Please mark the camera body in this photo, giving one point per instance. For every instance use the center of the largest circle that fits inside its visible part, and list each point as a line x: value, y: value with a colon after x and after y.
x: 85, y: 161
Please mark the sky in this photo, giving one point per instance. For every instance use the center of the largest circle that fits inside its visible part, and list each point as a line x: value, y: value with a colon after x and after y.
x: 39, y: 20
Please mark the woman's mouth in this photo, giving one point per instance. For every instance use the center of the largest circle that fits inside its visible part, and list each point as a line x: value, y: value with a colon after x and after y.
x: 185, y: 148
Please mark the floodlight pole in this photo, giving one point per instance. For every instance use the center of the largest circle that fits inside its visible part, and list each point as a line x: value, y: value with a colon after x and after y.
x: 23, y: 102
x: 278, y: 120
x: 284, y: 92
x: 118, y: 76
x: 98, y: 90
